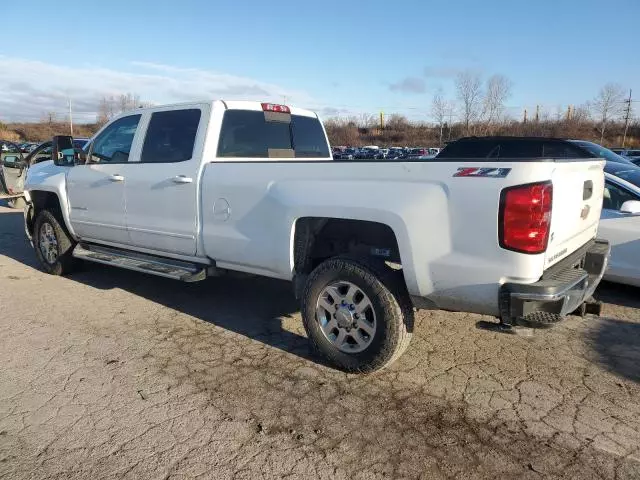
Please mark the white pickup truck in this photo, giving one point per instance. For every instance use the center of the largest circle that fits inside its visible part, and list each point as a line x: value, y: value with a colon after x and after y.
x: 498, y: 226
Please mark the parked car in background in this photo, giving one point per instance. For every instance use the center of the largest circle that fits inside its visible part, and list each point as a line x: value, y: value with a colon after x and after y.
x: 396, y: 153
x: 418, y: 153
x: 369, y: 152
x: 620, y: 222
x: 602, y: 152
x: 13, y: 166
x: 630, y: 153
x: 80, y: 143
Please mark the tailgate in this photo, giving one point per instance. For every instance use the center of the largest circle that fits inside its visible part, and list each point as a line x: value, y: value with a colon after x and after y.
x: 577, y: 202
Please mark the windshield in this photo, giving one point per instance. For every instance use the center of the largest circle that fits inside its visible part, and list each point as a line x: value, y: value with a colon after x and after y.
x: 629, y: 174
x: 602, y: 152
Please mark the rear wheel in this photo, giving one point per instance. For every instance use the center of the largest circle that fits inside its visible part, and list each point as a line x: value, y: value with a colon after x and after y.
x: 357, y: 314
x: 53, y: 244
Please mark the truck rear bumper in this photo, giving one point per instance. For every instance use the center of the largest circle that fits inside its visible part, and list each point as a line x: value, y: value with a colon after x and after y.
x: 561, y: 290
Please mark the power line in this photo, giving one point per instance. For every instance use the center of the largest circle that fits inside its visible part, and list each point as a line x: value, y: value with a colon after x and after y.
x: 626, y: 118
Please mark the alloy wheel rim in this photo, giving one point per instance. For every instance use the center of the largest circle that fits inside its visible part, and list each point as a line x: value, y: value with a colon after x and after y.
x: 346, y: 317
x: 48, y: 243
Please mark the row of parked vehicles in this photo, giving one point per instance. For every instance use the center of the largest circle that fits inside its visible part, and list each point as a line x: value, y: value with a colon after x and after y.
x: 373, y: 152
x: 503, y: 226
x: 10, y: 147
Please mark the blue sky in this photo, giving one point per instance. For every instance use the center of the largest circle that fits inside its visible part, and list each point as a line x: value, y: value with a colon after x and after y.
x: 343, y: 57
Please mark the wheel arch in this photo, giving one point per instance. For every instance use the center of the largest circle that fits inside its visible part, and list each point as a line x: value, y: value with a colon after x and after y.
x: 44, y: 200
x: 316, y: 239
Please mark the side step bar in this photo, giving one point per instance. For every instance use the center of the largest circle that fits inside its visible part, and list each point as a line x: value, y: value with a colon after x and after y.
x: 140, y: 262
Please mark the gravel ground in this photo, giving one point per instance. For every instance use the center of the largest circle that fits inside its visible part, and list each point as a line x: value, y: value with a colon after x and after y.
x: 113, y: 374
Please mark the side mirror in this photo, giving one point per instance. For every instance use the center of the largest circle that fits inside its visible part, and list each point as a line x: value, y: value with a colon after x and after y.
x: 630, y: 206
x: 62, y: 151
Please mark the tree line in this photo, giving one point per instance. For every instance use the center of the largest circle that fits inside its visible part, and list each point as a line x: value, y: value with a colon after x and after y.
x: 479, y: 107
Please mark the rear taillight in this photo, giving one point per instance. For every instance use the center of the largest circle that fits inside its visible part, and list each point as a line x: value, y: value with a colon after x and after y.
x: 274, y: 107
x: 524, y: 219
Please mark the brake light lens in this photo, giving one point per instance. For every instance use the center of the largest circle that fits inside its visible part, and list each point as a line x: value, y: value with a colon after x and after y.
x: 273, y: 107
x: 525, y: 217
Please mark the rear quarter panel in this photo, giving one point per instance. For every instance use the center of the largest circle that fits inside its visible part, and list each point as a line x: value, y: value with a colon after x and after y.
x: 446, y: 226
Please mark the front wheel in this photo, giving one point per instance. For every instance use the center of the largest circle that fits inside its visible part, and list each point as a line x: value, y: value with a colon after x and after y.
x: 53, y: 244
x: 357, y: 314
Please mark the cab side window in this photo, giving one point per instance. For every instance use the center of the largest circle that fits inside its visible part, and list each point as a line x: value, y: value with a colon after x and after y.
x: 615, y: 196
x: 171, y: 136
x: 113, y: 145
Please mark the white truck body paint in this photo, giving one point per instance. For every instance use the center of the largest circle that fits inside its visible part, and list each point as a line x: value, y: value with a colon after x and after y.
x: 446, y: 227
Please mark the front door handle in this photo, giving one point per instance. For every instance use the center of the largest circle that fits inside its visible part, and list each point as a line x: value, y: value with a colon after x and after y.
x: 116, y: 178
x: 182, y: 179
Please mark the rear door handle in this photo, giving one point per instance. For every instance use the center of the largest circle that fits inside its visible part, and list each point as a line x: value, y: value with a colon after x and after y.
x: 116, y: 178
x: 182, y: 179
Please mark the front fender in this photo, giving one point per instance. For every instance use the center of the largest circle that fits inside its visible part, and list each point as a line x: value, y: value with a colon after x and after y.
x: 47, y: 177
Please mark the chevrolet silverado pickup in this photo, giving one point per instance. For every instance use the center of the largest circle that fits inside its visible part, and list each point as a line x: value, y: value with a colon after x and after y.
x: 498, y: 226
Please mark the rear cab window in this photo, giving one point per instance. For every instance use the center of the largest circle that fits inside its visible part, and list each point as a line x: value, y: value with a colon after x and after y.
x: 256, y: 134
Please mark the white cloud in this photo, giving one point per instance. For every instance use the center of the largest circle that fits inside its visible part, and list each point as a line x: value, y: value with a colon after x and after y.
x: 31, y: 88
x: 409, y: 85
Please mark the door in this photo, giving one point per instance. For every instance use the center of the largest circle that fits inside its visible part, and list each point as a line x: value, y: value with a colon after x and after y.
x: 162, y: 189
x: 623, y: 232
x: 12, y: 170
x: 96, y: 190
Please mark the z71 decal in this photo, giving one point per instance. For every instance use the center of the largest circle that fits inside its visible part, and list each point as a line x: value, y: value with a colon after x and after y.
x: 482, y: 172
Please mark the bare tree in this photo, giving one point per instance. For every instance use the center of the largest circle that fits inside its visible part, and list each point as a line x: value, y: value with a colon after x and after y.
x: 608, y: 104
x: 469, y: 90
x: 50, y: 117
x: 580, y: 114
x: 439, y: 110
x: 105, y: 110
x: 497, y: 92
x: 367, y: 120
x: 397, y: 122
x: 128, y: 101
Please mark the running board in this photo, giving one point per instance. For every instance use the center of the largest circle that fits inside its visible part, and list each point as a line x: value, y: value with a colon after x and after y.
x: 140, y: 262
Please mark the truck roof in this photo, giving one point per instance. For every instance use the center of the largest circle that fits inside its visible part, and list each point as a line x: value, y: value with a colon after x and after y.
x: 229, y: 105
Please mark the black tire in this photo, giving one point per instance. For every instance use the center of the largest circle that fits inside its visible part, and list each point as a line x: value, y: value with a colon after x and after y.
x: 389, y: 299
x: 64, y: 262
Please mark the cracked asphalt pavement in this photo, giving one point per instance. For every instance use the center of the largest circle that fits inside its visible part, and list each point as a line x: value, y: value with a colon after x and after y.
x: 114, y: 374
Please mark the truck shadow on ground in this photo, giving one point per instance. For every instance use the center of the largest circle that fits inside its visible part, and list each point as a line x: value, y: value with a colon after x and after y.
x: 616, y: 345
x: 618, y: 294
x: 255, y: 307
x: 248, y: 305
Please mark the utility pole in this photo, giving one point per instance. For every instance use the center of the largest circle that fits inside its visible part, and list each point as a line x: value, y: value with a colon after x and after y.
x: 537, y: 113
x: 627, y: 114
x: 524, y: 120
x: 70, y: 118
